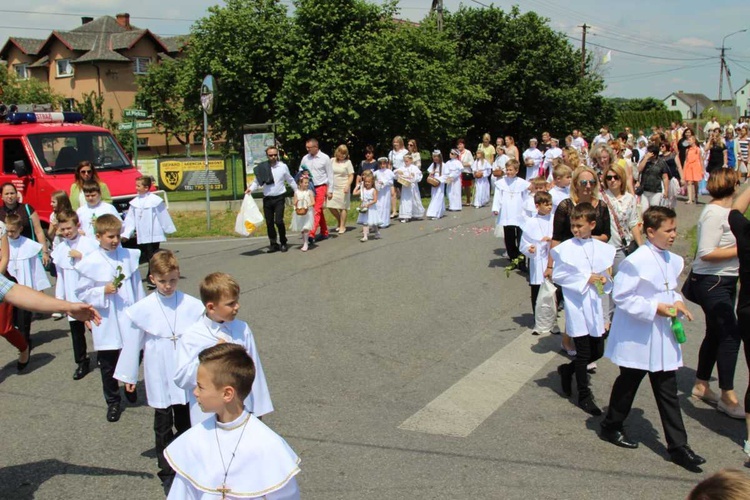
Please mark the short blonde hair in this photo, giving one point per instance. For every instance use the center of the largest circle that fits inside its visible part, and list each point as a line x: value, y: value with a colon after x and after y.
x: 163, y: 262
x: 217, y: 286
x: 561, y: 170
x: 107, y: 223
x: 343, y: 151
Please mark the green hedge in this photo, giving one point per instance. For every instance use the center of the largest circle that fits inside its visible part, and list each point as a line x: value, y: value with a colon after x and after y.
x: 644, y: 120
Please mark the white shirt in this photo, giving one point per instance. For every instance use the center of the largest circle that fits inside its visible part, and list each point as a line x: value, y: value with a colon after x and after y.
x: 579, y: 143
x: 281, y: 175
x: 87, y: 214
x: 550, y: 155
x: 714, y: 232
x: 320, y: 168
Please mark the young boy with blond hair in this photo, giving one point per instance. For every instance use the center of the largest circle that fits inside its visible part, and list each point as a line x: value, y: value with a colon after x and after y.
x: 111, y: 282
x: 220, y: 294
x: 160, y: 320
x: 231, y: 454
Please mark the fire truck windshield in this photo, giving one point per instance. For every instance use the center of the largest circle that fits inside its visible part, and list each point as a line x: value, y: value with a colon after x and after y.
x: 63, y: 151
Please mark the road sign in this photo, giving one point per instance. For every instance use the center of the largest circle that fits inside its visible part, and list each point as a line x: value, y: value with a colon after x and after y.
x: 135, y: 113
x: 208, y: 94
x: 138, y: 125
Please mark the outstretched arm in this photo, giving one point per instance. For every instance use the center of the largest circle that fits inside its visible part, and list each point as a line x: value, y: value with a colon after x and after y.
x: 31, y: 300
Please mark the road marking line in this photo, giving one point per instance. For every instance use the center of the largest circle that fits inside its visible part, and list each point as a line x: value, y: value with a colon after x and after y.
x: 470, y: 401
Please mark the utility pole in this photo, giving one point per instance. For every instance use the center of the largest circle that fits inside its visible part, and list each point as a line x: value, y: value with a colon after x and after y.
x: 585, y: 27
x: 721, y: 73
x: 724, y: 69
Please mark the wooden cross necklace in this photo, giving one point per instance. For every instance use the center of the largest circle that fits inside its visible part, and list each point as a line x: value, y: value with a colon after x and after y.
x: 174, y: 338
x: 223, y: 489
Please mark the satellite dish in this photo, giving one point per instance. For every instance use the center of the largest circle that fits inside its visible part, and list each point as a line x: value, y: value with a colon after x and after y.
x: 208, y: 94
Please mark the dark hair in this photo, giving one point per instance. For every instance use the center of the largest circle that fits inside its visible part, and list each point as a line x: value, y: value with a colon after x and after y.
x: 2, y: 187
x: 91, y: 187
x: 722, y: 183
x: 67, y: 215
x: 622, y: 136
x: 79, y: 179
x: 542, y: 197
x: 461, y: 141
x: 146, y: 180
x: 230, y: 366
x: 655, y: 216
x: 653, y: 149
x: 727, y: 484
x: 370, y: 149
x: 584, y: 211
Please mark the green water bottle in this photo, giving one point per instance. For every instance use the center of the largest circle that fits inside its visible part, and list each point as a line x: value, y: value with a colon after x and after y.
x: 677, y: 329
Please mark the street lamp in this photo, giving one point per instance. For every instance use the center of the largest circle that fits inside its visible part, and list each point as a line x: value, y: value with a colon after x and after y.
x: 723, y: 67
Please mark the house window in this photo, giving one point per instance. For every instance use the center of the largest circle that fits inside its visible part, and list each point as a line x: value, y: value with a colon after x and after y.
x: 70, y: 105
x: 22, y: 71
x: 674, y: 102
x: 64, y: 68
x: 143, y: 143
x: 140, y: 65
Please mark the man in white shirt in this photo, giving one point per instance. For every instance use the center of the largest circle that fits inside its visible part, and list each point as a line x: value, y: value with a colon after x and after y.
x: 321, y: 171
x: 711, y: 126
x: 272, y: 175
x: 578, y: 141
x: 604, y: 136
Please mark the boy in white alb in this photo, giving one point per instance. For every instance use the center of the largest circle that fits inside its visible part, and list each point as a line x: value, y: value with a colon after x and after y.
x: 562, y: 175
x: 111, y: 282
x: 641, y: 340
x: 220, y: 295
x: 581, y: 266
x: 510, y: 194
x: 160, y: 320
x: 535, y: 242
x: 536, y: 185
x: 148, y: 218
x: 25, y: 265
x: 66, y: 254
x: 95, y: 207
x: 231, y: 454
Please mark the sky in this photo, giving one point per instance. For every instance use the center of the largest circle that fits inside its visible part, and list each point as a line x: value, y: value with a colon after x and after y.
x: 657, y: 46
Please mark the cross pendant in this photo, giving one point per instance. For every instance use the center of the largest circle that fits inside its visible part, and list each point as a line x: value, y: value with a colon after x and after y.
x: 224, y: 490
x: 666, y: 285
x: 174, y: 338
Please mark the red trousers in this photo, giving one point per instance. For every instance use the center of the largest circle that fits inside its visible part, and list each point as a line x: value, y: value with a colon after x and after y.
x: 7, y: 329
x: 319, y: 221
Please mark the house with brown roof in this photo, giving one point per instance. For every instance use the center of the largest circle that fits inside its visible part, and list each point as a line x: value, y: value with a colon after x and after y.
x: 104, y: 55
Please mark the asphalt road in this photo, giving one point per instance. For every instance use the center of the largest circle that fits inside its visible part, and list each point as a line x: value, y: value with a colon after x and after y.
x: 355, y: 339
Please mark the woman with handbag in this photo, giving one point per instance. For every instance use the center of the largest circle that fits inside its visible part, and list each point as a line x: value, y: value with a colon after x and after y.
x: 712, y: 284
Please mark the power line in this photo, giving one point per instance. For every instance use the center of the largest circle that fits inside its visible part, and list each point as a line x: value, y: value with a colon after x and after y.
x: 649, y: 56
x: 9, y: 11
x: 50, y: 30
x: 641, y: 76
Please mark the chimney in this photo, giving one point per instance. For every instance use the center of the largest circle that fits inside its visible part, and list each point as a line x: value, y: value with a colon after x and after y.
x: 123, y: 19
x: 86, y: 20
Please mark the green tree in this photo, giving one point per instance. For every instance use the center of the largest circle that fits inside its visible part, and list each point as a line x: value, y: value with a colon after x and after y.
x: 28, y: 91
x: 638, y: 104
x: 167, y: 93
x: 240, y: 44
x: 531, y: 75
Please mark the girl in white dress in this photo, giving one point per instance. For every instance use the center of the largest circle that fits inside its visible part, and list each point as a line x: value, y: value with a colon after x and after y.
x: 411, y: 203
x: 383, y: 183
x: 436, y: 208
x: 368, y: 214
x: 482, y: 170
x: 302, y: 219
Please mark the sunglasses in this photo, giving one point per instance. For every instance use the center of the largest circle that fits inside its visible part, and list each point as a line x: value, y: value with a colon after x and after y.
x: 612, y: 178
x: 86, y: 171
x: 584, y: 183
x: 273, y: 156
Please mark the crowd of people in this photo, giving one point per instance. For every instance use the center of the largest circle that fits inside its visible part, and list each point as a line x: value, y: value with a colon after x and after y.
x: 590, y: 225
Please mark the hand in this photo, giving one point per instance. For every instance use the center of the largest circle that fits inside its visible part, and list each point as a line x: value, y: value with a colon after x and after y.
x: 75, y: 254
x: 666, y: 310
x: 84, y: 312
x: 329, y: 196
x: 597, y: 278
x: 45, y: 258
x: 548, y: 273
x: 247, y: 191
x: 130, y: 387
x: 546, y: 238
x: 346, y: 189
x: 532, y: 249
x: 495, y: 213
x: 110, y: 288
x: 680, y: 306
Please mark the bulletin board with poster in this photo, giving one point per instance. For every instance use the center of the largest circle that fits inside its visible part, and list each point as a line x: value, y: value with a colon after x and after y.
x: 189, y: 174
x: 255, y: 152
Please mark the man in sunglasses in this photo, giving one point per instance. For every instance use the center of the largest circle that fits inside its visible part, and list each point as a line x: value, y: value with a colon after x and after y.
x: 273, y: 175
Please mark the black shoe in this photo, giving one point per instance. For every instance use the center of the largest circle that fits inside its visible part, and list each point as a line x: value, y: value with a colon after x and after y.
x: 589, y: 406
x: 166, y: 484
x: 113, y: 412
x: 566, y: 379
x: 617, y: 438
x: 132, y: 397
x: 273, y: 248
x: 82, y: 370
x: 535, y: 332
x: 284, y: 248
x: 310, y: 240
x: 685, y: 457
x: 22, y: 366
x: 321, y: 237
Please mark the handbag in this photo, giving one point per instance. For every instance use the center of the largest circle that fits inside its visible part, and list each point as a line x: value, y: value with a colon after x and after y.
x: 687, y: 288
x: 627, y: 248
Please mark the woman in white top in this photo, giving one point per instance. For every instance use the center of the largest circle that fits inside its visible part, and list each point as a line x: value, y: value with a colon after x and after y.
x: 396, y: 161
x: 713, y: 285
x: 343, y: 175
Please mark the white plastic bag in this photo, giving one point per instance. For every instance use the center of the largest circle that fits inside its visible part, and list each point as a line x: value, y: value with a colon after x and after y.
x: 249, y: 219
x: 545, y: 314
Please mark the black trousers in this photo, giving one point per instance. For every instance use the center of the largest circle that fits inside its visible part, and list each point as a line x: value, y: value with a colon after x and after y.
x: 22, y: 320
x: 147, y: 251
x: 166, y: 421
x: 273, y: 211
x: 534, y: 295
x: 721, y: 345
x: 512, y: 236
x: 107, y: 361
x: 588, y: 350
x: 664, y: 386
x: 78, y: 336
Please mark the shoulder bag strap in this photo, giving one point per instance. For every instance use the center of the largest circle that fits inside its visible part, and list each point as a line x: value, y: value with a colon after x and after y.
x: 614, y: 213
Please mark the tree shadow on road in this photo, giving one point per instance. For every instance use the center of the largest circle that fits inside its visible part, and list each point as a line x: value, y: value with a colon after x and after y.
x: 500, y: 261
x: 35, y: 361
x: 21, y: 482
